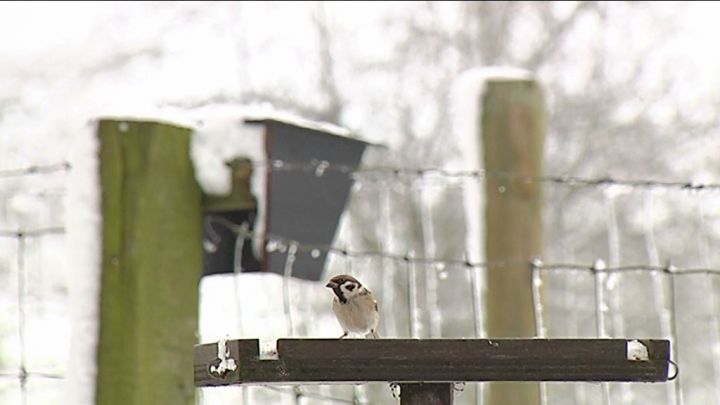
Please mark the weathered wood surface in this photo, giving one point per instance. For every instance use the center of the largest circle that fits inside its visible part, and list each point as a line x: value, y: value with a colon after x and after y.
x: 151, y: 260
x: 513, y: 132
x: 434, y: 361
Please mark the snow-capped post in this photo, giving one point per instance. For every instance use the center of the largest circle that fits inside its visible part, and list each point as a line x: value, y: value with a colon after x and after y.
x: 512, y: 133
x: 151, y: 264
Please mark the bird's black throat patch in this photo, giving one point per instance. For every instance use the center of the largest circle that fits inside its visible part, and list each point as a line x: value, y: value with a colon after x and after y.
x: 341, y: 297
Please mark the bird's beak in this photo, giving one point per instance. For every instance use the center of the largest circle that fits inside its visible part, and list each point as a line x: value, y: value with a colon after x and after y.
x: 331, y: 285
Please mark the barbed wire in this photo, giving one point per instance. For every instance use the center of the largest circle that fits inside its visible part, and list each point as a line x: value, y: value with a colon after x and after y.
x: 320, y: 167
x: 669, y: 269
x: 36, y: 169
x: 274, y: 243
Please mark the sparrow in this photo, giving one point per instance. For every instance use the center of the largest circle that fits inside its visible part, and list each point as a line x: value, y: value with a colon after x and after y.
x: 354, y: 306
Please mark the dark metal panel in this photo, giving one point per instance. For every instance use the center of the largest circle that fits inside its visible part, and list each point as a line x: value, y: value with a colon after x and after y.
x: 306, y: 205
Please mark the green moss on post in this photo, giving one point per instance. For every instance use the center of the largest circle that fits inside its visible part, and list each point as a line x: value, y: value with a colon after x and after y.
x: 513, y: 132
x: 151, y: 264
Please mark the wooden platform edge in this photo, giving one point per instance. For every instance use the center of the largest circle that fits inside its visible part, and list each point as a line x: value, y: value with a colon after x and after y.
x: 324, y: 361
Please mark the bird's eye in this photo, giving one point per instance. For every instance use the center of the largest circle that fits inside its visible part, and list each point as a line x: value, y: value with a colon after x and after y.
x: 350, y: 286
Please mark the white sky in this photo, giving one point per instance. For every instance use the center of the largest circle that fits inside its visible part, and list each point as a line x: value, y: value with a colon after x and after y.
x: 48, y: 51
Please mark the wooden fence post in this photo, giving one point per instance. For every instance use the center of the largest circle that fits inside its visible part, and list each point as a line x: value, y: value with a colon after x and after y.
x: 151, y: 264
x: 513, y: 131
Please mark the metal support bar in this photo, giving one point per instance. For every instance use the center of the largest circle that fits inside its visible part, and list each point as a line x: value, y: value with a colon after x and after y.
x: 426, y: 394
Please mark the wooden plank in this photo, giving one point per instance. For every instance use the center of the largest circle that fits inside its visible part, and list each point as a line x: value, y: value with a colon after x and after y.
x: 426, y: 394
x: 436, y: 360
x: 151, y: 258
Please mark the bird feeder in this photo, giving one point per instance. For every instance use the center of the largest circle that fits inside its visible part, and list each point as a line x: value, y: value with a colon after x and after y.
x: 307, y: 186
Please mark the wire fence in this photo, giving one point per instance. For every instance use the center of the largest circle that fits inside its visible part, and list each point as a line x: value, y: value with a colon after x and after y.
x: 24, y: 373
x: 671, y: 305
x: 597, y: 270
x: 36, y: 170
x: 600, y: 279
x: 320, y: 167
x: 273, y: 243
x: 25, y: 376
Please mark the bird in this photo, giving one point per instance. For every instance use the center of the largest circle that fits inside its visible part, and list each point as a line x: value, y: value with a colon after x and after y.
x: 354, y: 306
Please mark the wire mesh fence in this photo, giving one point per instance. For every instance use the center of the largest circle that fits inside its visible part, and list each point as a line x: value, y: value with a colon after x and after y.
x: 594, y: 298
x: 34, y: 332
x: 429, y: 287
